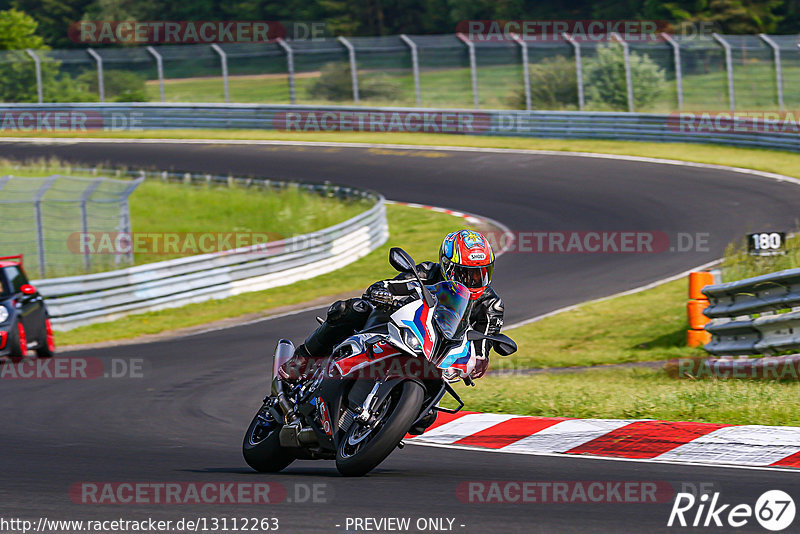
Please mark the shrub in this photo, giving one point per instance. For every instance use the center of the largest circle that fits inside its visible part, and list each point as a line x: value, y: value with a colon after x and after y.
x: 119, y: 85
x: 554, y: 85
x: 335, y: 83
x: 604, y: 79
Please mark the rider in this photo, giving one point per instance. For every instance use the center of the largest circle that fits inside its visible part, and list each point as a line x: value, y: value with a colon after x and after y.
x: 465, y: 256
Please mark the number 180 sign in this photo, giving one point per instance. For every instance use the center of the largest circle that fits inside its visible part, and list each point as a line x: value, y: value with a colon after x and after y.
x: 766, y: 243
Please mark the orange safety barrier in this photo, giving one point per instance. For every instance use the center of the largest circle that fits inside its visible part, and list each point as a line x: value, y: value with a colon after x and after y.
x: 694, y: 310
x: 697, y: 281
x: 697, y: 336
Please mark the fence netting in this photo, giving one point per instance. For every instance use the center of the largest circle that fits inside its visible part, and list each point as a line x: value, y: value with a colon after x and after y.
x: 49, y: 219
x: 320, y: 71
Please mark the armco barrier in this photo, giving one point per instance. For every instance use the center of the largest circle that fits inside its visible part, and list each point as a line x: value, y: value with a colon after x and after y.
x: 759, y: 315
x: 755, y: 132
x: 79, y: 300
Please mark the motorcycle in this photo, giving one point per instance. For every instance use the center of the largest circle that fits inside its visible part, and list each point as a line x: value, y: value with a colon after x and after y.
x: 360, y: 402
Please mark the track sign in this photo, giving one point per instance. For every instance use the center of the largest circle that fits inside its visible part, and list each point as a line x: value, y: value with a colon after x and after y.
x: 766, y: 243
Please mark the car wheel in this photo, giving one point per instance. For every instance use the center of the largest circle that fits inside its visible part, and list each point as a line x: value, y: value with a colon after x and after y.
x: 17, y: 343
x: 46, y: 347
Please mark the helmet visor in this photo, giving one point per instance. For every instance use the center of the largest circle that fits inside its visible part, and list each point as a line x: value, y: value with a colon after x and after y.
x: 472, y: 277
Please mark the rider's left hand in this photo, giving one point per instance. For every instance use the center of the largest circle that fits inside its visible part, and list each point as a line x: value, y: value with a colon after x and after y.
x: 481, y: 366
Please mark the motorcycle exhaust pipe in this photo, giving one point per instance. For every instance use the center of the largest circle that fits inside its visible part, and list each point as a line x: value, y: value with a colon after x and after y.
x: 283, y: 353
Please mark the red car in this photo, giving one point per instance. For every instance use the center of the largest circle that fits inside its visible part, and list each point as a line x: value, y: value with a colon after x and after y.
x: 24, y: 323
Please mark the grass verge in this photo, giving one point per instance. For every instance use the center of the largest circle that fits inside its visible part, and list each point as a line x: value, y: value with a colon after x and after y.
x: 637, y: 394
x: 649, y: 325
x: 418, y: 231
x: 645, y: 326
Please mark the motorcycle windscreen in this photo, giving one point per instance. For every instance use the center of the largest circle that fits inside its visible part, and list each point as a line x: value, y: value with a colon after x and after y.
x: 452, y: 301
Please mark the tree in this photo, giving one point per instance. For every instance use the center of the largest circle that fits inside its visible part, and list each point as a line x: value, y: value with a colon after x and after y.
x: 606, y: 84
x: 727, y: 16
x: 17, y: 32
x: 54, y: 18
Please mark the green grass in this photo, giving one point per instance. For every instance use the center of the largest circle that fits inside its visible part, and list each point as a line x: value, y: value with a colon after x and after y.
x: 645, y: 326
x: 637, y: 394
x: 417, y: 231
x: 158, y: 207
x: 739, y: 264
x: 754, y: 86
x: 161, y: 209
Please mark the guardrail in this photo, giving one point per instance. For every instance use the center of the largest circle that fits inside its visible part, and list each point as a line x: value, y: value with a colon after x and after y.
x: 80, y: 300
x: 735, y: 131
x: 759, y: 315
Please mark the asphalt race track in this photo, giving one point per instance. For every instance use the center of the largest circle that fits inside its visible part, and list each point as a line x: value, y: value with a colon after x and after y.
x: 184, y: 419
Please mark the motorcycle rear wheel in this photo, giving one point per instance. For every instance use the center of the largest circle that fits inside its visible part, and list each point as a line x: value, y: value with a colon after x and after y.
x: 261, y: 446
x: 361, y: 450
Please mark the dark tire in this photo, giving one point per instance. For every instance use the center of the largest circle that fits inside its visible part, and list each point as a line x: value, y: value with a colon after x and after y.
x: 404, y: 404
x: 262, y: 448
x: 46, y: 347
x: 17, y: 342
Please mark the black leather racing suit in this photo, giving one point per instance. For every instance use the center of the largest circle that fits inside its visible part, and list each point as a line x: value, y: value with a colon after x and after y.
x: 344, y: 318
x: 486, y: 314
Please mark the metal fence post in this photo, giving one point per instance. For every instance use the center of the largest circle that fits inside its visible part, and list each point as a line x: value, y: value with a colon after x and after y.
x: 473, y: 68
x: 223, y: 59
x: 414, y: 65
x: 85, y: 196
x: 100, y: 85
x: 160, y: 69
x: 37, y: 213
x: 776, y: 54
x: 38, y: 66
x: 351, y: 52
x: 526, y: 77
x: 626, y: 53
x: 676, y: 54
x: 125, y: 217
x: 728, y: 68
x: 289, y: 68
x: 578, y: 67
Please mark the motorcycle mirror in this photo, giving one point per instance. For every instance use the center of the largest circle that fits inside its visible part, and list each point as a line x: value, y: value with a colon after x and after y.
x: 401, y: 261
x: 502, y: 344
x: 504, y: 347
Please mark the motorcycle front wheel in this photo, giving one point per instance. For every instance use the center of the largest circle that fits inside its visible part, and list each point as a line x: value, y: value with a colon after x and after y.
x: 261, y: 446
x: 363, y: 448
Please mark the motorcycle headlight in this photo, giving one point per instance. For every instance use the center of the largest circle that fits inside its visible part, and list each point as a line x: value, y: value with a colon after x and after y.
x: 411, y: 340
x: 3, y: 314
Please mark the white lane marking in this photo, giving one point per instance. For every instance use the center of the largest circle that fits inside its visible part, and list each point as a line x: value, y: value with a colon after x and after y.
x: 788, y: 470
x: 463, y: 426
x: 742, y: 445
x: 567, y: 435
